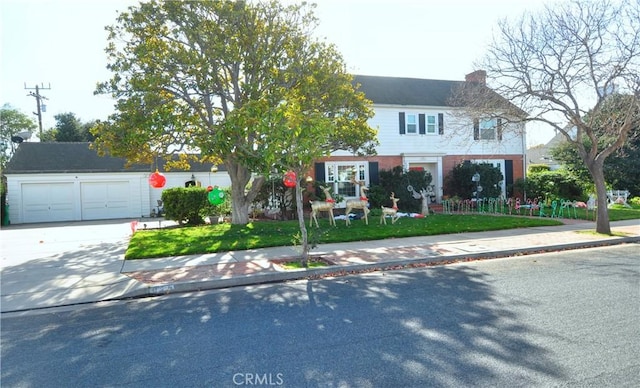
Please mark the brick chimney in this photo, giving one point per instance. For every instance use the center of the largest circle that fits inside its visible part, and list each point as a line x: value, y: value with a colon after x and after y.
x: 478, y: 77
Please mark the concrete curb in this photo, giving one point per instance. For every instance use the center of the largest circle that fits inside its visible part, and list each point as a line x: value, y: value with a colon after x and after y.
x: 344, y: 270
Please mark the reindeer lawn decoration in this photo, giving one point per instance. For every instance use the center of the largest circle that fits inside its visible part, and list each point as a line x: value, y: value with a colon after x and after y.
x: 322, y: 206
x: 390, y: 211
x: 361, y: 203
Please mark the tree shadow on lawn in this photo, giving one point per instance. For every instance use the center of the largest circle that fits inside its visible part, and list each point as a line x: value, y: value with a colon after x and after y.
x: 441, y: 326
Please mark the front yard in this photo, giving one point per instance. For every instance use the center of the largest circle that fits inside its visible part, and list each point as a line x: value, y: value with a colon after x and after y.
x: 261, y: 234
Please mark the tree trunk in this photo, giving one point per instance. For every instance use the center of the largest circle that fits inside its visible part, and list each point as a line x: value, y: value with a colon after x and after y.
x: 303, y: 228
x: 602, y: 216
x: 240, y: 199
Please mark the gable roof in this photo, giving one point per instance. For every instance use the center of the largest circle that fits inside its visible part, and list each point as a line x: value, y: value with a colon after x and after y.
x: 33, y: 158
x: 541, y: 154
x: 407, y: 91
x: 429, y: 92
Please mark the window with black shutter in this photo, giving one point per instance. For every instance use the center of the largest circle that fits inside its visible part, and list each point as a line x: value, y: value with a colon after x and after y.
x: 476, y: 129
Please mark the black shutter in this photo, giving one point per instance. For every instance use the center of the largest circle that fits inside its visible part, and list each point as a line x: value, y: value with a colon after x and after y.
x: 508, y: 179
x: 440, y: 123
x: 402, y: 126
x: 476, y: 129
x: 422, y: 129
x: 374, y: 176
x: 499, y: 129
x: 320, y: 177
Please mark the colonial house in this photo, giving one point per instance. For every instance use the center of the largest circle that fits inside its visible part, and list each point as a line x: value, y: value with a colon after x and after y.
x: 419, y: 127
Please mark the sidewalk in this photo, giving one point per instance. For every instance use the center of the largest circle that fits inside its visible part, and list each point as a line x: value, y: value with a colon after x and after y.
x: 70, y: 272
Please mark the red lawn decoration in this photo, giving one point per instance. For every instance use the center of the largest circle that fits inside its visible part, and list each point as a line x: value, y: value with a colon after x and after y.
x: 157, y: 180
x: 289, y: 179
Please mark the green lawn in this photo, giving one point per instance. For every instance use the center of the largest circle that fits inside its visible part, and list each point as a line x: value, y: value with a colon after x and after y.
x: 261, y: 234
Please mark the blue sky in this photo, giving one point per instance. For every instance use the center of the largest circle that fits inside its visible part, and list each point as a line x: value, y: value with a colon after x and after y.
x: 61, y: 43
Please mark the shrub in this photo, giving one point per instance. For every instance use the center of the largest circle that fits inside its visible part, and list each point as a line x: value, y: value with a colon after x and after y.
x: 378, y: 196
x: 185, y: 204
x: 557, y: 184
x: 635, y: 201
x: 397, y: 181
x: 458, y: 182
x: 537, y: 168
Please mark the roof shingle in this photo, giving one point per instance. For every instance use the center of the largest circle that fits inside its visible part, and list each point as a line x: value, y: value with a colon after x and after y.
x: 33, y: 158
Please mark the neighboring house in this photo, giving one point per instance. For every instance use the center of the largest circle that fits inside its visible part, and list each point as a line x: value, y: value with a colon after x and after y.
x: 69, y: 182
x: 541, y: 154
x: 420, y: 128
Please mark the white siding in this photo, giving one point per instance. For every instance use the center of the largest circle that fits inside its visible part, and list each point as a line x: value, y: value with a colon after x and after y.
x: 456, y: 140
x: 92, y: 196
x: 61, y: 195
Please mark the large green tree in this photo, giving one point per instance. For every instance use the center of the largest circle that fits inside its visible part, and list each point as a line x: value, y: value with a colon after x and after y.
x: 302, y: 129
x: 69, y: 128
x: 12, y: 122
x: 242, y: 83
x: 560, y: 65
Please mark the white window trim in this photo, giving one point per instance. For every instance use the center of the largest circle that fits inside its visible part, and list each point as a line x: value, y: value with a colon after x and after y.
x: 435, y: 124
x: 485, y: 125
x: 416, y: 123
x: 359, y: 165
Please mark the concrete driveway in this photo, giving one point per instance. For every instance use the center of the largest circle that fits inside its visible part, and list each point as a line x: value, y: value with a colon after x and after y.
x: 55, y: 264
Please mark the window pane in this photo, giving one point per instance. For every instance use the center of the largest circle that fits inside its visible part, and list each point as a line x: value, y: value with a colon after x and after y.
x: 487, y: 134
x: 345, y: 173
x: 346, y: 189
x: 331, y: 173
x: 487, y: 129
x: 412, y: 126
x: 431, y: 124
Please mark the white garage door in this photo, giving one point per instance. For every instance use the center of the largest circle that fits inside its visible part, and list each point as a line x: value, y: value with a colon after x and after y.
x: 105, y: 200
x: 47, y: 202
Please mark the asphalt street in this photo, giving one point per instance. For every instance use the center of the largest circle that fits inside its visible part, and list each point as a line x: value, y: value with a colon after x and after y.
x: 562, y: 319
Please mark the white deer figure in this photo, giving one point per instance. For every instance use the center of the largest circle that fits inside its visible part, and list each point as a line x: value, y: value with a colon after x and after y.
x: 322, y: 206
x: 361, y: 203
x: 390, y: 211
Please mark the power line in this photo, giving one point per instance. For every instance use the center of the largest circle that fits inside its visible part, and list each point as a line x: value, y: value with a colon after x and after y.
x: 39, y: 99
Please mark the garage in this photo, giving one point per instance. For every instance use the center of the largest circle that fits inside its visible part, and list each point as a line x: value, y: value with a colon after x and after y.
x: 105, y: 200
x: 47, y: 202
x: 52, y: 182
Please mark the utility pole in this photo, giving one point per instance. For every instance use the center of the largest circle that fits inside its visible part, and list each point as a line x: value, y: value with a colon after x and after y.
x: 39, y: 99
